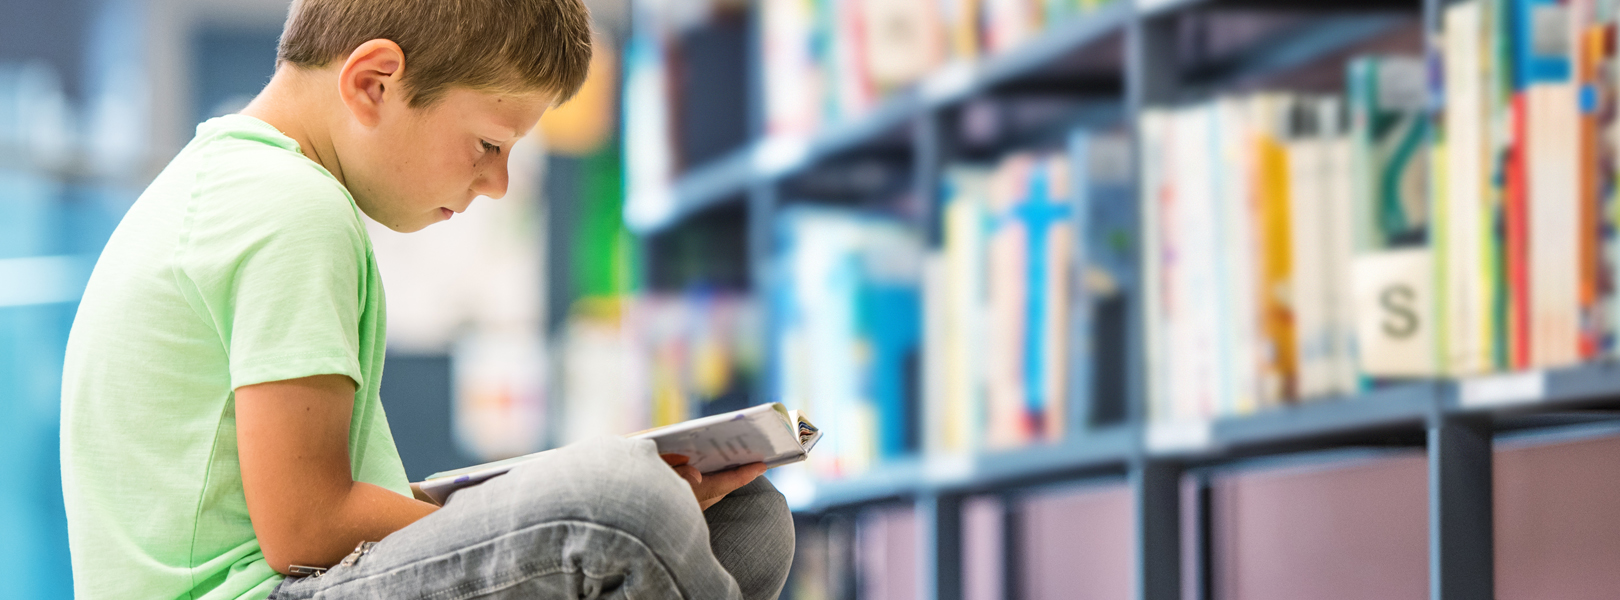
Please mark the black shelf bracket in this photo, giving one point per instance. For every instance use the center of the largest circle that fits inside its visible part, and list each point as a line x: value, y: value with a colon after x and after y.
x: 1461, y: 541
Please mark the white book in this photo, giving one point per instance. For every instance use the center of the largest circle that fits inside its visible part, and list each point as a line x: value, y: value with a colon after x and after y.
x: 1308, y: 236
x: 768, y: 433
x: 1554, y: 214
x: 1195, y: 318
x: 1339, y: 212
x: 1393, y: 295
x: 1463, y: 279
x: 964, y: 224
x: 1212, y: 393
x: 1239, y: 253
x: 1152, y: 150
x: 1553, y: 171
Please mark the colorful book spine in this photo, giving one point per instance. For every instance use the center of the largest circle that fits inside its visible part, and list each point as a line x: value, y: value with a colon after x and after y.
x: 1279, y: 360
x: 1031, y: 249
x: 1607, y: 189
x: 1595, y: 71
x: 1391, y: 155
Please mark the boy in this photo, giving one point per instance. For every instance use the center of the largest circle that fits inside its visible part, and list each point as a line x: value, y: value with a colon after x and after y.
x: 221, y: 426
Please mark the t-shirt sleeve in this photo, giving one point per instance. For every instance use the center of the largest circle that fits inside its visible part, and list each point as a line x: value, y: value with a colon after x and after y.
x: 280, y: 267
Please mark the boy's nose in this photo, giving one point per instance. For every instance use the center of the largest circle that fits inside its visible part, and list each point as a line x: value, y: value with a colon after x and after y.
x: 491, y: 182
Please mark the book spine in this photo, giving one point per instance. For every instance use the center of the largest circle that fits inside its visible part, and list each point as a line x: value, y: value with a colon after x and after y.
x: 1552, y: 192
x: 1307, y: 244
x: 1591, y: 60
x: 1155, y: 264
x: 1084, y: 352
x: 1237, y: 222
x: 1278, y: 370
x: 1466, y: 192
x: 1518, y: 240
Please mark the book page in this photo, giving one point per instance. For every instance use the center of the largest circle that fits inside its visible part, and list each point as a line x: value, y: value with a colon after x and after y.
x: 757, y: 434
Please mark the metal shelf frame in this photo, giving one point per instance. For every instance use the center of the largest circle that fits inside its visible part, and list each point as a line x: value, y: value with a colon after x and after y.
x: 1454, y: 421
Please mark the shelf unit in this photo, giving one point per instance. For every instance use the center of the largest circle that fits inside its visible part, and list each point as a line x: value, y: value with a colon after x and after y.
x: 1455, y: 420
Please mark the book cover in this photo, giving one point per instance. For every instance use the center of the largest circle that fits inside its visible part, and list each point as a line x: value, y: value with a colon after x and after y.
x: 792, y: 77
x: 1008, y: 23
x: 1107, y: 288
x: 1387, y: 96
x: 1552, y: 173
x: 1393, y: 295
x: 1238, y: 261
x: 1466, y: 219
x: 1607, y: 187
x: 1030, y: 246
x: 1595, y: 71
x: 1007, y: 260
x: 1499, y: 94
x: 961, y: 21
x: 903, y: 41
x: 1339, y: 212
x: 964, y: 227
x: 1156, y: 190
x: 1308, y: 237
x: 1278, y: 367
x: 1390, y: 155
x: 848, y: 326
x: 1203, y: 385
x: 767, y: 433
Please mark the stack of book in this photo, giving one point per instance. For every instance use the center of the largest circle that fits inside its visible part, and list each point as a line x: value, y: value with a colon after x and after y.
x: 1015, y: 326
x: 698, y: 353
x: 1258, y: 209
x: 1444, y: 218
x: 847, y: 332
x: 827, y: 61
x: 1527, y: 210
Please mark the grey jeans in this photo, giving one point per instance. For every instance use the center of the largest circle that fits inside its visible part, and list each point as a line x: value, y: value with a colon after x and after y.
x: 600, y: 519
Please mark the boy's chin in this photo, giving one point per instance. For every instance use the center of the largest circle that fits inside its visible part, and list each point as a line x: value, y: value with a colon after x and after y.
x: 413, y: 228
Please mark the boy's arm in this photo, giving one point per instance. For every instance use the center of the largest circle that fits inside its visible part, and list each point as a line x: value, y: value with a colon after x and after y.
x: 307, y: 509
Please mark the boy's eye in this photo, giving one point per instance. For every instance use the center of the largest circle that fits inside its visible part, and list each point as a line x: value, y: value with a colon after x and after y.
x: 488, y: 147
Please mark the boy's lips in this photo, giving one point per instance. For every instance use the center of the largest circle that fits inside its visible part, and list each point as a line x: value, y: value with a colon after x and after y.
x: 447, y: 213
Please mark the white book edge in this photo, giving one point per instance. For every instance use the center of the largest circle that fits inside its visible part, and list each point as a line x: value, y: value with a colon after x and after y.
x: 439, y: 486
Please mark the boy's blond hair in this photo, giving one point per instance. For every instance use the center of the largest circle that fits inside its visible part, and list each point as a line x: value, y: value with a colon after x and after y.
x: 487, y: 45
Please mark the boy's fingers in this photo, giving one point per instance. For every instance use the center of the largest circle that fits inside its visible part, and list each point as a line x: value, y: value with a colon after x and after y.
x: 675, y: 460
x: 726, y: 481
x: 690, y: 474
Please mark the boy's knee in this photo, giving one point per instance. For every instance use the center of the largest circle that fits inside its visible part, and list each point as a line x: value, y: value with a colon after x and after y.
x: 775, y: 514
x: 618, y: 483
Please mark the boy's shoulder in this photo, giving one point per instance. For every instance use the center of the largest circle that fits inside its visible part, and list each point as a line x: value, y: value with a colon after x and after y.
x: 248, y: 175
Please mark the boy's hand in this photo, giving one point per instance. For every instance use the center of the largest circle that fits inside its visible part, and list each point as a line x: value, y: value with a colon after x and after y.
x: 713, y: 487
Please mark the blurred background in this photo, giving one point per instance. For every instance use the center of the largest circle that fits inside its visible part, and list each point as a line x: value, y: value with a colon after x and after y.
x: 1160, y: 299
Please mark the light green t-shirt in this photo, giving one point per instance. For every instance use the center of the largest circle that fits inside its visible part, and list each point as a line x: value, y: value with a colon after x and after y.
x: 244, y: 262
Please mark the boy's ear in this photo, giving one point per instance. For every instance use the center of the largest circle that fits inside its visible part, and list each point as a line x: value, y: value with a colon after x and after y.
x: 370, y: 77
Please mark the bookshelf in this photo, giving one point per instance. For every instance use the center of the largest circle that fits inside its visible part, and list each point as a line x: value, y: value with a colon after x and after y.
x: 1454, y: 420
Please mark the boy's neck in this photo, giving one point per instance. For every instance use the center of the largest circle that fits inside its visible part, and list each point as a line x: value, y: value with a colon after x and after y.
x: 298, y: 102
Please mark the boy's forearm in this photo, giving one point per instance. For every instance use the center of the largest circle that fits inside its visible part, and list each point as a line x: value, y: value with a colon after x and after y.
x: 306, y: 507
x: 366, y: 513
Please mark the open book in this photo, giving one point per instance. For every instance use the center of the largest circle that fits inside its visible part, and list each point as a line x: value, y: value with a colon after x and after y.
x: 768, y: 433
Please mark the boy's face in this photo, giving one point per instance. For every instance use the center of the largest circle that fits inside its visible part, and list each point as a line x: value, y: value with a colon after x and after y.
x: 418, y: 166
